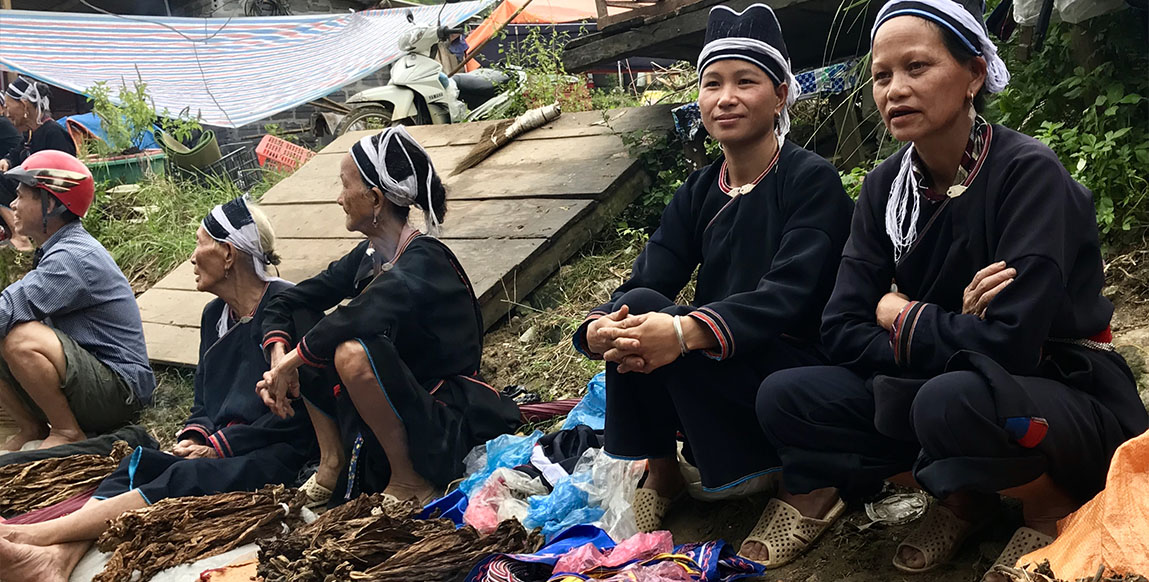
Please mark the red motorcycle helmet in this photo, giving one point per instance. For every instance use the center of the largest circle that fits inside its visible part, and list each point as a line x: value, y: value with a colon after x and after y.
x: 60, y: 174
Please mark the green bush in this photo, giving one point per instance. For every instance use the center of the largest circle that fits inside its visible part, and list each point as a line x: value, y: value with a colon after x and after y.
x: 1096, y: 119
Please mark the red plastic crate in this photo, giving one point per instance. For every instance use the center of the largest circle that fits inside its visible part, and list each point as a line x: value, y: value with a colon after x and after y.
x: 282, y: 153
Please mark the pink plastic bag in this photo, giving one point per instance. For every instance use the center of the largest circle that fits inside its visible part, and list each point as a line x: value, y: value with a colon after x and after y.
x: 660, y: 572
x: 638, y: 547
x: 501, y: 497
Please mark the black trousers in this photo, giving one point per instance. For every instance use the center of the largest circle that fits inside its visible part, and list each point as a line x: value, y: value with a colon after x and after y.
x: 821, y: 420
x: 710, y: 402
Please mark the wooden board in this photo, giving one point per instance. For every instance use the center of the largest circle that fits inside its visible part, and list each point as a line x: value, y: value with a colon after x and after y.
x: 529, y: 218
x: 512, y: 220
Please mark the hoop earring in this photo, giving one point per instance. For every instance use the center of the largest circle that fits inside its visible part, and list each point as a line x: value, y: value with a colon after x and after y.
x: 226, y: 272
x: 375, y: 220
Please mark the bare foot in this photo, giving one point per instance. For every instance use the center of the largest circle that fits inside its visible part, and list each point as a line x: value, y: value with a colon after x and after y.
x: 26, y: 563
x: 23, y: 437
x: 20, y: 534
x: 815, y: 504
x: 57, y: 437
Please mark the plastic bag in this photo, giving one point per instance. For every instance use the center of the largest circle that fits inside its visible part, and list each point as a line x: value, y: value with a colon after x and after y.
x: 1025, y: 12
x: 610, y: 484
x: 503, y: 496
x: 551, y: 511
x: 591, y: 411
x: 637, y: 547
x: 660, y: 572
x: 503, y: 451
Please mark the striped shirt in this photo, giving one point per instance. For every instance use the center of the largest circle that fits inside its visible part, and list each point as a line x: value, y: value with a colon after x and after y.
x: 79, y: 290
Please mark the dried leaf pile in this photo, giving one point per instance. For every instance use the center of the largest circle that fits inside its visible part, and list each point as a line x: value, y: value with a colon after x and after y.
x: 183, y: 530
x: 1043, y: 572
x: 37, y: 484
x: 363, y: 541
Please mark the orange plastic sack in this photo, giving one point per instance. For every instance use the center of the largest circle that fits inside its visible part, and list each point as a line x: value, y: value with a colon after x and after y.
x: 1112, y: 529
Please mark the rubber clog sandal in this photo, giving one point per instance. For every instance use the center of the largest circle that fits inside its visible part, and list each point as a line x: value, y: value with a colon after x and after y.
x: 1024, y: 541
x: 317, y: 495
x: 786, y: 533
x: 937, y: 538
x: 649, y: 509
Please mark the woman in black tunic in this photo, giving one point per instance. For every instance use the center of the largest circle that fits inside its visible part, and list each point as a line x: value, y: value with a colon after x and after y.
x: 765, y: 225
x: 231, y: 441
x: 406, y: 346
x: 987, y: 369
x: 26, y: 105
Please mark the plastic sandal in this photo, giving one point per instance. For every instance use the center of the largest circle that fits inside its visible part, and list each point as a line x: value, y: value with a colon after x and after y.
x: 317, y: 495
x: 787, y: 534
x: 1024, y: 541
x: 937, y: 537
x: 649, y: 509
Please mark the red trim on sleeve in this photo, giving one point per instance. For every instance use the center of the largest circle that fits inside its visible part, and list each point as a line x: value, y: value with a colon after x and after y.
x: 724, y: 348
x: 215, y: 444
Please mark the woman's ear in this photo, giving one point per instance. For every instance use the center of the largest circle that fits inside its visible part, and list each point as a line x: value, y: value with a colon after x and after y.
x: 978, y: 68
x: 782, y: 91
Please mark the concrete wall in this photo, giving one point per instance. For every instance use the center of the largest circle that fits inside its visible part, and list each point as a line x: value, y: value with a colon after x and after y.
x: 225, y: 8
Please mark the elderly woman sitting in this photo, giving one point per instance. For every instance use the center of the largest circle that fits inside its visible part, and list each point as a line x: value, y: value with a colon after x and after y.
x: 231, y: 442
x: 410, y: 404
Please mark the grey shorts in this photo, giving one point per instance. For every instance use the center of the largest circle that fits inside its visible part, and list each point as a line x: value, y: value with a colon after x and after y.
x: 101, y: 400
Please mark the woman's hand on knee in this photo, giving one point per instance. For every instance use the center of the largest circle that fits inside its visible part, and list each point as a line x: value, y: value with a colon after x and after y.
x: 602, y: 332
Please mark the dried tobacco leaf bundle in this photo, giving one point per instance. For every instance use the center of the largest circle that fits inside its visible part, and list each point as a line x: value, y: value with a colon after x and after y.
x: 37, y: 484
x: 187, y: 529
x: 366, y: 539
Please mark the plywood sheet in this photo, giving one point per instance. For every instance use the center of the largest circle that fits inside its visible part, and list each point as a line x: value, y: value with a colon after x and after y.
x: 170, y: 344
x: 530, y: 218
x: 178, y: 307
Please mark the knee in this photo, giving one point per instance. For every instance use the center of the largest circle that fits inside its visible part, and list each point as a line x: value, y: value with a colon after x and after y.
x: 351, y: 362
x: 948, y: 404
x: 643, y: 300
x: 776, y: 403
x: 27, y: 338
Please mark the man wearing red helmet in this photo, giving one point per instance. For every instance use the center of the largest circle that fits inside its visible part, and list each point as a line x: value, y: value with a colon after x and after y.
x: 72, y: 353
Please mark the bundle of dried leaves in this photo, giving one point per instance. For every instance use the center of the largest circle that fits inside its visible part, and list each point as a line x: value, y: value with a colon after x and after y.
x: 37, y: 484
x: 366, y: 540
x: 186, y: 529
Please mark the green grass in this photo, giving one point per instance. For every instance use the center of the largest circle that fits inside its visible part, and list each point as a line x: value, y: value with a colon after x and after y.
x: 151, y: 230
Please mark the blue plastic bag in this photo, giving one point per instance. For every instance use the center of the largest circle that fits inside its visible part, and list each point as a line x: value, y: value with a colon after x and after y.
x: 566, y: 506
x: 592, y: 410
x: 503, y: 451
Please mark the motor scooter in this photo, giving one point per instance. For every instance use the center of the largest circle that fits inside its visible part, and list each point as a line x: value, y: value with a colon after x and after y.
x: 420, y: 93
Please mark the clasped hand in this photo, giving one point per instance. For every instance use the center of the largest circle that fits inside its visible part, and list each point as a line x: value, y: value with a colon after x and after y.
x: 976, y: 296
x: 191, y: 449
x: 278, y: 383
x: 637, y: 343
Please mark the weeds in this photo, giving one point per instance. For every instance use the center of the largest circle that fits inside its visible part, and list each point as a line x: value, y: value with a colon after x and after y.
x: 172, y: 402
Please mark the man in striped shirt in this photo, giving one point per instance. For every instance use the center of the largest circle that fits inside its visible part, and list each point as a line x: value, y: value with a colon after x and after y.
x: 72, y: 353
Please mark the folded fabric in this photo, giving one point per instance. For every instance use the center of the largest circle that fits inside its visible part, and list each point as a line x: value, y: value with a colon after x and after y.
x: 134, y: 435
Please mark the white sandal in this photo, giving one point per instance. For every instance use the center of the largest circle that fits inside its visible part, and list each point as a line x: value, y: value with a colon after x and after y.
x: 649, y: 509
x: 786, y: 533
x: 937, y: 538
x: 1024, y: 541
x: 317, y: 495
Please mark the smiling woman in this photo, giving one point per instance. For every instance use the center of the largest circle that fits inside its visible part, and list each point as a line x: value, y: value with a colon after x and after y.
x: 986, y: 369
x: 764, y: 225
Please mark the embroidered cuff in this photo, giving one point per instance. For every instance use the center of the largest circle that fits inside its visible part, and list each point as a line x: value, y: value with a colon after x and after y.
x: 214, y: 441
x: 274, y: 336
x: 903, y: 331
x: 714, y: 322
x: 308, y: 356
x: 198, y: 429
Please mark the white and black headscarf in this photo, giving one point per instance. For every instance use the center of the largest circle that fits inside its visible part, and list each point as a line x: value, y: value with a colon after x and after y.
x: 966, y: 21
x: 755, y: 36
x: 23, y: 89
x: 400, y: 168
x: 232, y: 223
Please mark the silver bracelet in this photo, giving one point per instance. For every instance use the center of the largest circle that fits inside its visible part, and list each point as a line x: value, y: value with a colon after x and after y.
x: 678, y: 332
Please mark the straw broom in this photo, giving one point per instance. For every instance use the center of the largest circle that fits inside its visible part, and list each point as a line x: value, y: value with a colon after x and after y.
x: 499, y: 134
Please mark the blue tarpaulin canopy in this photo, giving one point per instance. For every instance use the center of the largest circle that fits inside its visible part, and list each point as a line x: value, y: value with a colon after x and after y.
x: 231, y: 71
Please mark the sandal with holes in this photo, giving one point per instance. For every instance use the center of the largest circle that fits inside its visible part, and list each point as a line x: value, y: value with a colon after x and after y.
x: 787, y: 534
x: 937, y: 538
x: 649, y: 509
x: 317, y: 495
x: 1024, y: 541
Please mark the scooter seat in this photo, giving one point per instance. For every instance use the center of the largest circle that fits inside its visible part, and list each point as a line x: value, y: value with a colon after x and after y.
x: 480, y: 86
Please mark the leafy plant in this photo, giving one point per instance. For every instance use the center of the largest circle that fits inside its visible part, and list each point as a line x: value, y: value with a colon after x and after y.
x: 1093, y: 117
x: 183, y: 127
x: 540, y: 54
x: 125, y: 119
x: 663, y: 159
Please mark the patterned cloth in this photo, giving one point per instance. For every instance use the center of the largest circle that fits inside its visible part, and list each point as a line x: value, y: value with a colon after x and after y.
x: 974, y: 148
x: 832, y: 79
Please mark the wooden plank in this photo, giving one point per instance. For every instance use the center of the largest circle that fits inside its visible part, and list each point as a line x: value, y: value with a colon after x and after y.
x: 576, y: 167
x: 531, y: 218
x: 583, y: 179
x: 521, y: 281
x: 173, y: 306
x: 302, y: 258
x: 171, y: 344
